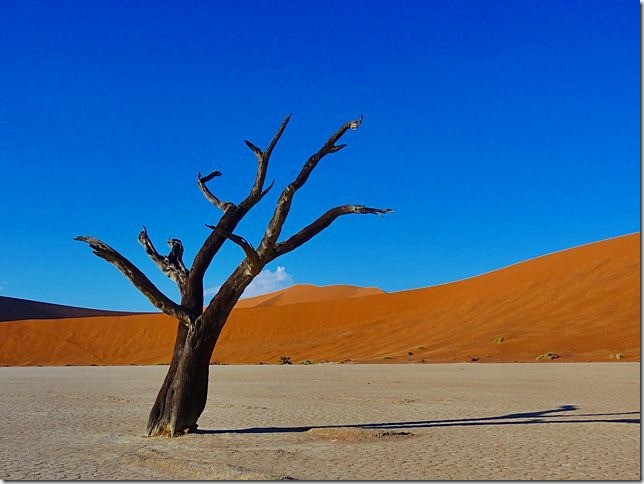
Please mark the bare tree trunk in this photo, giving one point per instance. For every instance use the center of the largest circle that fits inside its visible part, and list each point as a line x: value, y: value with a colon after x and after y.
x: 158, y: 416
x: 183, y: 396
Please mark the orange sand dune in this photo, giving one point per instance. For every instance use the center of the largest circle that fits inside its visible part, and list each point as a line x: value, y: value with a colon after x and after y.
x: 581, y: 304
x: 302, y: 293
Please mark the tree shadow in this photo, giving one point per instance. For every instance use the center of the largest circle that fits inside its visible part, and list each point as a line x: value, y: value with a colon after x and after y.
x: 526, y: 418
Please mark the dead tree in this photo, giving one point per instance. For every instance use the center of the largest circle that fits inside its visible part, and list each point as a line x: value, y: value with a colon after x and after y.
x: 182, y: 397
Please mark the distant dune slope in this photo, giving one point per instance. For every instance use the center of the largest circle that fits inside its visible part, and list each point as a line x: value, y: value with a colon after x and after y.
x: 302, y: 293
x: 581, y: 304
x: 13, y: 309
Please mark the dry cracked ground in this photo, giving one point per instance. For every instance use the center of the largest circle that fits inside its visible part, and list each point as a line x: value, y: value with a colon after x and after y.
x: 444, y: 421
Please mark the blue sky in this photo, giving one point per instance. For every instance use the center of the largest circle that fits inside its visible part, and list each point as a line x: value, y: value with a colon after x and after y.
x: 497, y: 130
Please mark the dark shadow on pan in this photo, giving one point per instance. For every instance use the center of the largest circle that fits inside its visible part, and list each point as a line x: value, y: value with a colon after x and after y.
x: 525, y: 418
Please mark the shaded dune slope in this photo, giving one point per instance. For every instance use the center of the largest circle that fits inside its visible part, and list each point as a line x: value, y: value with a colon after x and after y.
x: 582, y: 304
x: 13, y: 309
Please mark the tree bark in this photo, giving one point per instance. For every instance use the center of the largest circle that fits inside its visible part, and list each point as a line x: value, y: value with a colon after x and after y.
x: 182, y: 397
x: 184, y: 392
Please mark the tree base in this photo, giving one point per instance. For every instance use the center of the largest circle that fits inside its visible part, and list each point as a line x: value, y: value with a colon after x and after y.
x: 182, y: 397
x: 167, y: 432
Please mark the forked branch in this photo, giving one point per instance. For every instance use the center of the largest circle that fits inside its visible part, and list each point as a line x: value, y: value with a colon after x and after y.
x: 142, y: 283
x: 257, y: 191
x: 234, y: 213
x: 284, y: 203
x: 313, y: 229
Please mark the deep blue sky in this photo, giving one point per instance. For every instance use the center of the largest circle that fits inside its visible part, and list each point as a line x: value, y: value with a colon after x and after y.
x: 497, y: 130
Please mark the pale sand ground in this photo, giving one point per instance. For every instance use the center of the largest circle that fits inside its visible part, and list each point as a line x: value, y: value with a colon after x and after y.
x: 469, y: 421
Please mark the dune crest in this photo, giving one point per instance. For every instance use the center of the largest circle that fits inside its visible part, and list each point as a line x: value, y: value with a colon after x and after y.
x: 581, y: 304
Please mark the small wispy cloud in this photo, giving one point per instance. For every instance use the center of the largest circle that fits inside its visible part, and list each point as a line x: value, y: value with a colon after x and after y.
x: 265, y: 282
x: 211, y: 291
x: 269, y: 281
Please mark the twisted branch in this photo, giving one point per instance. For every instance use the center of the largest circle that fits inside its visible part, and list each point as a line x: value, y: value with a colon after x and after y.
x: 171, y: 265
x: 142, y: 283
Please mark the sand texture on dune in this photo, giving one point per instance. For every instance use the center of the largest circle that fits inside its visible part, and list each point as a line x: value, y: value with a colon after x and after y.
x: 581, y: 304
x: 324, y: 422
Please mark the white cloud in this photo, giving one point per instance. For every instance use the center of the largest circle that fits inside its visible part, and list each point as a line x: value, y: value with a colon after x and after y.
x: 265, y: 282
x: 211, y: 291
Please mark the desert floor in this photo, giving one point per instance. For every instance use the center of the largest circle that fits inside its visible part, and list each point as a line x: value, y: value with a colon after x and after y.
x: 410, y: 421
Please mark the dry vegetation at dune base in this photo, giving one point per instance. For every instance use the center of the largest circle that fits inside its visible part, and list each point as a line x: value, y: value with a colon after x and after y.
x: 449, y: 421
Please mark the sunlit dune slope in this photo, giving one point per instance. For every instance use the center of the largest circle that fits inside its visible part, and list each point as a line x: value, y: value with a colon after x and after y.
x: 302, y: 293
x: 581, y: 304
x: 12, y: 309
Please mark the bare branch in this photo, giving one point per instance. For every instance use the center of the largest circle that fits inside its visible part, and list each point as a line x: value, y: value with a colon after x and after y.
x: 212, y: 244
x: 262, y: 161
x: 249, y: 250
x: 142, y: 283
x: 284, y: 203
x: 255, y: 149
x: 231, y: 217
x: 175, y: 257
x: 310, y: 231
x: 328, y: 147
x: 202, y: 180
x: 267, y: 189
x: 210, y: 176
x: 171, y: 265
x: 276, y: 138
x: 147, y: 244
